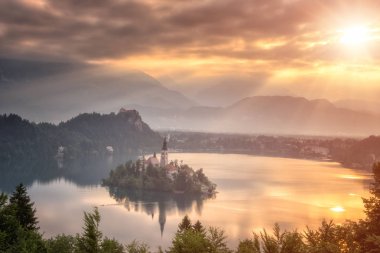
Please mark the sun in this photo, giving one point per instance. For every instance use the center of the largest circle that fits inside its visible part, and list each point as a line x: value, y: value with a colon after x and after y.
x: 355, y: 35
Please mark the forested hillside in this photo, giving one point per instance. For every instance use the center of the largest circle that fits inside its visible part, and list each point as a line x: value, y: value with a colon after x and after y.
x: 84, y: 135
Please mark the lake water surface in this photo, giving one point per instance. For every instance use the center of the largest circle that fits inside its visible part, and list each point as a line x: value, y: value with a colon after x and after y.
x: 254, y: 193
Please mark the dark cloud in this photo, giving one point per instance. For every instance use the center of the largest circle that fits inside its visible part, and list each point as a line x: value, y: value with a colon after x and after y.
x: 112, y: 29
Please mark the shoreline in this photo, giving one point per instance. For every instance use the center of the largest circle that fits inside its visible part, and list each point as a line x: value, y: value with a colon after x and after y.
x: 359, y: 167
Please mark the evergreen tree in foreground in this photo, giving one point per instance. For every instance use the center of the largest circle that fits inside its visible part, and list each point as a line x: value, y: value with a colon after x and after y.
x: 371, y: 231
x: 195, y: 238
x: 91, y: 238
x: 23, y: 208
x: 18, y: 224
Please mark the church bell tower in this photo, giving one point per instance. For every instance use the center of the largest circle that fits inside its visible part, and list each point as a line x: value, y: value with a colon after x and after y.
x: 164, y: 154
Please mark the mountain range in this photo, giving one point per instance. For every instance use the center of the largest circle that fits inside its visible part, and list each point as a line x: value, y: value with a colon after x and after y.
x: 267, y: 115
x: 56, y: 91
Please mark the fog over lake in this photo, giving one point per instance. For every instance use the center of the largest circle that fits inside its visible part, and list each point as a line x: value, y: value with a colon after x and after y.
x: 253, y: 193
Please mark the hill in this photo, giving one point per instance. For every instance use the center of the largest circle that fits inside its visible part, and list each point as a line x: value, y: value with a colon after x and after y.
x: 363, y: 154
x: 52, y: 91
x: 84, y: 135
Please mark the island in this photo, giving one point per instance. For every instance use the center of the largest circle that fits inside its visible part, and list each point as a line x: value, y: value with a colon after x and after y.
x: 160, y: 175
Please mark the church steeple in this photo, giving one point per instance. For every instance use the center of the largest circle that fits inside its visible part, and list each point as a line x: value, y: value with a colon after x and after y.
x: 165, y: 145
x: 164, y: 154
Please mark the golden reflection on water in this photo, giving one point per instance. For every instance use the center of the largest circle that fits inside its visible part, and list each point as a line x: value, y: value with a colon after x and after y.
x: 353, y: 177
x: 254, y: 193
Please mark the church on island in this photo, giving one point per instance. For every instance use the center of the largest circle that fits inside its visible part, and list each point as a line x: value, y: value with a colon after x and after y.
x: 157, y: 174
x: 170, y: 168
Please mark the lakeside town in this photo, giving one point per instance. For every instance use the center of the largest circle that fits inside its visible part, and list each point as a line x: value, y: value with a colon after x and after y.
x: 344, y: 150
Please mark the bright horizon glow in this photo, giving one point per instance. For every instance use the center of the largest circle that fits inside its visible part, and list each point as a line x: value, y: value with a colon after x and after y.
x: 355, y: 35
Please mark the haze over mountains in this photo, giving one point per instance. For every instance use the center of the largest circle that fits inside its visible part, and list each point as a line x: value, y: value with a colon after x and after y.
x: 56, y: 91
x: 268, y: 115
x: 359, y: 105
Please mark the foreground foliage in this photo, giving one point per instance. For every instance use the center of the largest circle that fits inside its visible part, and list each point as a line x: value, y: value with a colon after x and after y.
x: 18, y: 224
x: 19, y: 233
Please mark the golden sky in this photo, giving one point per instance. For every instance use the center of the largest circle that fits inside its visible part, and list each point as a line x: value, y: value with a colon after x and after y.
x: 329, y: 46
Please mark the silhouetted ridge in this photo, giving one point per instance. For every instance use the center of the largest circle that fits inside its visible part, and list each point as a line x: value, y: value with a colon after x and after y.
x: 87, y: 134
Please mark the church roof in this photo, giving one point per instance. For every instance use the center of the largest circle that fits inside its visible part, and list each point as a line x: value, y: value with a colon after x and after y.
x: 153, y: 160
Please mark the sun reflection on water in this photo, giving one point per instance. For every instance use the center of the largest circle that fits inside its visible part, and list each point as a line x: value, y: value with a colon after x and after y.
x: 337, y: 209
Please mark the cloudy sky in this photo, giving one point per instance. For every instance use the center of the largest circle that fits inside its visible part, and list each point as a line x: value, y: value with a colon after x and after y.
x: 315, y: 48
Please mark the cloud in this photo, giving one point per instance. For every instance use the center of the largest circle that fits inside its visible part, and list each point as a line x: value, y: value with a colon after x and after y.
x: 220, y: 37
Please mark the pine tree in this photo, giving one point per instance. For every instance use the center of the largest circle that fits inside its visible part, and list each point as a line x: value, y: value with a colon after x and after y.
x: 217, y: 241
x: 198, y: 227
x: 23, y: 208
x: 90, y: 241
x: 185, y: 224
x: 372, y: 210
x: 372, y: 204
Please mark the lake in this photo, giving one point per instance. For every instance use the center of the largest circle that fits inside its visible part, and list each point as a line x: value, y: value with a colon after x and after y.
x: 254, y: 193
